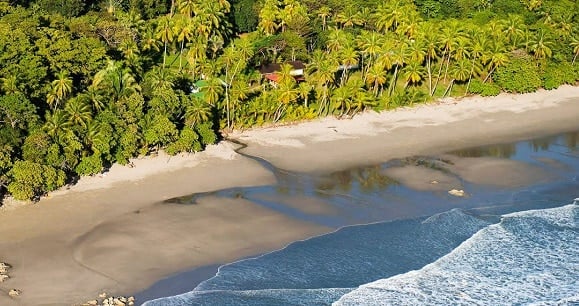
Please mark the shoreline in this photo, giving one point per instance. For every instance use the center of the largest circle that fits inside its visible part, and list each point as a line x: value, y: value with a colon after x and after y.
x: 91, y: 237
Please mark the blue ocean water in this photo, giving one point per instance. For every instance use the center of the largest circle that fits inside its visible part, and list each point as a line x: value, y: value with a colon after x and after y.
x: 503, y: 247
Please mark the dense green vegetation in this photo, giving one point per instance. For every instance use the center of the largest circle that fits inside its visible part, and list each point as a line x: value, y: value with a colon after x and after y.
x: 85, y: 84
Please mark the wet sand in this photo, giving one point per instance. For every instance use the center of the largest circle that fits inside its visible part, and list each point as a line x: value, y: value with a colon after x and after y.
x: 114, y: 234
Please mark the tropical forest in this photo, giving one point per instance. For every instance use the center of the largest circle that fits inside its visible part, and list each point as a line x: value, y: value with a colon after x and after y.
x: 86, y: 84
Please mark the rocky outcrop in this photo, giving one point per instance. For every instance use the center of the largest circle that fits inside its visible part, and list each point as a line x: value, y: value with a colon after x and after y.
x: 111, y: 301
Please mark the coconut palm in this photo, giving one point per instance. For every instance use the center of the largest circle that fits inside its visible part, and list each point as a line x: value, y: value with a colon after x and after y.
x: 348, y: 17
x: 497, y: 57
x: 184, y: 32
x: 348, y: 58
x: 399, y: 59
x: 575, y: 45
x: 78, y: 112
x: 460, y: 71
x: 376, y: 77
x: 56, y: 124
x: 337, y: 39
x: 412, y: 73
x: 513, y: 29
x: 541, y: 46
x: 304, y: 89
x: 187, y: 7
x: 197, y: 111
x: 61, y: 87
x: 324, y: 13
x: 165, y: 33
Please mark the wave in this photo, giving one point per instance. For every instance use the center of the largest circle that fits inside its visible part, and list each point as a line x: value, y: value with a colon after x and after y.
x: 529, y: 257
x: 320, y: 270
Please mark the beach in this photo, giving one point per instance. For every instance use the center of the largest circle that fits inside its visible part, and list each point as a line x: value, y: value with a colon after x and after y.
x: 113, y: 233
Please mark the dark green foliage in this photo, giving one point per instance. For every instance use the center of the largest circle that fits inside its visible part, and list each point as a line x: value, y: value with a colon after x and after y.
x: 520, y: 75
x: 66, y: 8
x: 555, y: 75
x: 245, y: 15
x: 188, y: 141
x: 78, y: 94
x: 89, y: 165
x: 205, y: 131
x: 484, y: 89
x: 30, y: 179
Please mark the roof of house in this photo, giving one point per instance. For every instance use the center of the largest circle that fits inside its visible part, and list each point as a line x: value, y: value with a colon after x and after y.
x: 272, y: 68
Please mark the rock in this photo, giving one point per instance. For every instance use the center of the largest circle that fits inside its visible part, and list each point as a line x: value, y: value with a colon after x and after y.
x: 92, y: 303
x: 14, y: 292
x: 3, y: 277
x: 131, y: 304
x: 131, y: 299
x: 457, y: 193
x: 122, y: 299
x: 103, y: 295
x: 434, y: 182
x: 4, y: 265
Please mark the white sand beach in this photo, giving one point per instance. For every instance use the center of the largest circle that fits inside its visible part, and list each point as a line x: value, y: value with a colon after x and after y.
x: 112, y: 233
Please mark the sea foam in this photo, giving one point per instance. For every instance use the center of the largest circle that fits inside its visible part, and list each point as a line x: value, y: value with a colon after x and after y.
x: 530, y: 257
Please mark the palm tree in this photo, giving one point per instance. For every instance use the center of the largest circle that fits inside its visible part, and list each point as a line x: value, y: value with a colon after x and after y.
x: 370, y: 45
x: 430, y: 40
x: 197, y: 112
x: 61, y: 87
x: 117, y: 80
x: 187, y: 7
x: 460, y: 71
x: 321, y: 72
x: 268, y: 17
x: 165, y: 33
x: 94, y: 136
x: 575, y: 45
x: 304, y: 89
x: 130, y: 51
x: 412, y: 73
x: 159, y: 79
x: 56, y: 124
x: 376, y: 77
x: 541, y: 46
x: 348, y: 58
x: 337, y: 39
x: 348, y: 17
x: 184, y: 30
x: 324, y: 12
x: 79, y: 113
x: 93, y: 97
x: 478, y: 50
x: 449, y: 37
x: 497, y: 57
x: 399, y: 59
x: 513, y: 28
x: 212, y: 90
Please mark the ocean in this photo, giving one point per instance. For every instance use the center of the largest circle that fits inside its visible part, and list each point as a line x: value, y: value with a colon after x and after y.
x: 515, y: 245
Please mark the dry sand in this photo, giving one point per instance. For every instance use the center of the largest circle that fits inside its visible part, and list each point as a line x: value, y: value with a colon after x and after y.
x: 111, y: 233
x: 425, y: 129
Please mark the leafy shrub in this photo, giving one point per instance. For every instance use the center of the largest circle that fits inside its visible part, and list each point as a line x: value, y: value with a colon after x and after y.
x: 520, y: 75
x: 208, y: 136
x: 89, y: 165
x: 30, y: 179
x: 188, y: 142
x: 484, y: 89
x: 555, y: 75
